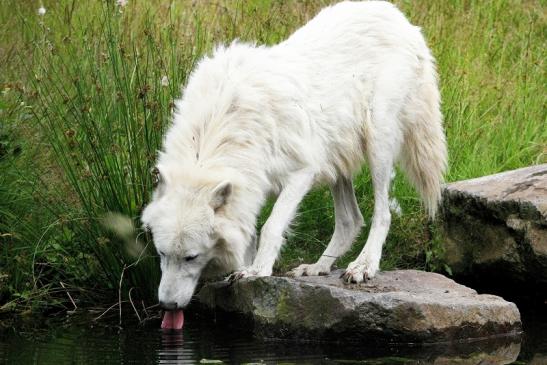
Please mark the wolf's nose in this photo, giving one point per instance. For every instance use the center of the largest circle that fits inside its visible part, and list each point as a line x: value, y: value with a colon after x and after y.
x: 168, y: 305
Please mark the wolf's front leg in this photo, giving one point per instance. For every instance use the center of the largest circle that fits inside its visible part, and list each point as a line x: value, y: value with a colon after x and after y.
x: 271, y: 236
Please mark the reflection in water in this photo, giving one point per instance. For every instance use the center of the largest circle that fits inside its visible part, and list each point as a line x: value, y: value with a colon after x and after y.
x: 204, y: 340
x: 172, y: 350
x: 504, y: 354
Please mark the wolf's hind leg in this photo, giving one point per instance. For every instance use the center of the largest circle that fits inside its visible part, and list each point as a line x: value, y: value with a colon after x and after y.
x: 394, y: 205
x: 368, y: 262
x: 348, y: 223
x: 271, y: 236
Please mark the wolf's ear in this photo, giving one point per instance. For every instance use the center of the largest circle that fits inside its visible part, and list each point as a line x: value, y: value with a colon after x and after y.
x: 220, y: 194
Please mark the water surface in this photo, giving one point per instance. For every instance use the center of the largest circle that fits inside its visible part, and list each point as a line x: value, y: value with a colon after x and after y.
x: 204, y: 341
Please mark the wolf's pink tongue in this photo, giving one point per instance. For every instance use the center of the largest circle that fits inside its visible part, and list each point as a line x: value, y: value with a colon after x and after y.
x: 173, y: 319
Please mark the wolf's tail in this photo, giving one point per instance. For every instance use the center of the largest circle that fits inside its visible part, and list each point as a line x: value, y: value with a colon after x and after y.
x: 424, y: 156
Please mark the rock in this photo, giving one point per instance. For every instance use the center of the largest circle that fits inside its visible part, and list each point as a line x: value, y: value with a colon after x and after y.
x: 396, y: 306
x: 495, y: 231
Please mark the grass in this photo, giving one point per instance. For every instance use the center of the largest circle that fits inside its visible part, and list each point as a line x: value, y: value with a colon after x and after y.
x: 86, y: 97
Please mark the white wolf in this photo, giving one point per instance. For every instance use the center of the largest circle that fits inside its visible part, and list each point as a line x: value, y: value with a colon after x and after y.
x: 355, y: 84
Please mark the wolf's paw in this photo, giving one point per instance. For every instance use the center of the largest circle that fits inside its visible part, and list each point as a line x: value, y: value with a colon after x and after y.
x: 309, y: 270
x: 358, y: 273
x: 240, y: 274
x: 245, y: 273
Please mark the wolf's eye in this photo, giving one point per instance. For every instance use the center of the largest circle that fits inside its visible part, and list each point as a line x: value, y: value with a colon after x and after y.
x: 190, y: 258
x: 156, y: 176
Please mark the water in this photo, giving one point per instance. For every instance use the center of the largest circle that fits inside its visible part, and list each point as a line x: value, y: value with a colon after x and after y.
x: 201, y: 340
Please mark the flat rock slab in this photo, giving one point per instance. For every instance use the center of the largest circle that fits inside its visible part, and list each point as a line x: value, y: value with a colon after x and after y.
x: 495, y: 231
x: 404, y: 306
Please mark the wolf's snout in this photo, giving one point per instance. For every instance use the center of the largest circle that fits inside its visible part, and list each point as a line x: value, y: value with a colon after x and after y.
x: 169, y: 306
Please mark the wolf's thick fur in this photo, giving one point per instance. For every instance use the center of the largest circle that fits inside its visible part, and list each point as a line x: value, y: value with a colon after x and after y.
x: 355, y: 84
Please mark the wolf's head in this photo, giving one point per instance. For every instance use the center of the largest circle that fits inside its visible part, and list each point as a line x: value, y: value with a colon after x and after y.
x: 187, y: 218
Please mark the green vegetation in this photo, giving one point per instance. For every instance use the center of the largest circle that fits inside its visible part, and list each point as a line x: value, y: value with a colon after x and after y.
x: 86, y: 92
